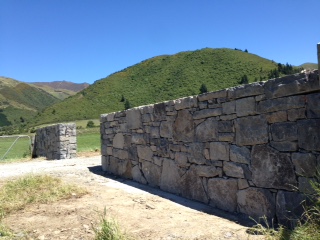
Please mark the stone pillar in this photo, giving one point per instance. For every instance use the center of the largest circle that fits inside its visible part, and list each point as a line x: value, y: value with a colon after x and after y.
x: 318, y: 56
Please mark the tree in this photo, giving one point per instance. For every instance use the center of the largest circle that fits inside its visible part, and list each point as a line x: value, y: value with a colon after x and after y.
x: 244, y: 79
x: 122, y: 98
x: 90, y: 124
x: 127, y: 104
x: 203, y: 88
x: 246, y: 50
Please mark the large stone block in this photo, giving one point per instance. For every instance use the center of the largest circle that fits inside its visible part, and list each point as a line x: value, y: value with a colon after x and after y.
x: 207, y: 130
x: 280, y: 116
x: 229, y: 107
x: 144, y: 152
x: 245, y: 106
x: 133, y: 118
x: 251, y: 130
x: 272, y: 169
x: 187, y: 102
x: 137, y: 138
x: 285, y: 146
x: 152, y: 173
x: 236, y: 170
x: 192, y: 186
x: 256, y: 203
x: 208, y: 171
x: 219, y: 151
x: 181, y: 159
x: 289, y: 207
x: 159, y: 111
x: 313, y: 105
x: 183, y: 128
x: 305, y: 164
x: 166, y: 128
x: 278, y: 104
x: 240, y: 154
x: 284, y: 131
x: 309, y: 134
x: 225, y: 126
x: 296, y: 113
x: 137, y: 175
x: 170, y: 177
x: 196, y: 151
x: 223, y: 193
x: 206, y: 113
x: 246, y: 90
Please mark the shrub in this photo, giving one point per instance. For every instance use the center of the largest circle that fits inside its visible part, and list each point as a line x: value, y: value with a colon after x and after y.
x: 90, y: 124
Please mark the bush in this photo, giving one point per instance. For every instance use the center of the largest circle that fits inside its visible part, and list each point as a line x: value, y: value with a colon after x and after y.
x: 90, y: 124
x: 203, y: 88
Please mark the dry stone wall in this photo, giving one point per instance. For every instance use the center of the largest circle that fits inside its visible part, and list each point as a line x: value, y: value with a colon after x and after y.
x: 250, y: 149
x: 56, y: 142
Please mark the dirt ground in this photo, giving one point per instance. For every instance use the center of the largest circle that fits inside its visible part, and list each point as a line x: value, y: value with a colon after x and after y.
x: 143, y: 212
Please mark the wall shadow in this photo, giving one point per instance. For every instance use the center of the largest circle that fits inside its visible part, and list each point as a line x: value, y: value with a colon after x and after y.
x: 234, y: 217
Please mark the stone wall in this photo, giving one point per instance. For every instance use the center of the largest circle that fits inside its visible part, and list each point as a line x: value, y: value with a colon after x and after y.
x: 250, y: 149
x: 56, y: 142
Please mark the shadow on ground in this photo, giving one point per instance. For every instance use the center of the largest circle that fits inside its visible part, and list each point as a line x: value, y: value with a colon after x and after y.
x: 237, y: 218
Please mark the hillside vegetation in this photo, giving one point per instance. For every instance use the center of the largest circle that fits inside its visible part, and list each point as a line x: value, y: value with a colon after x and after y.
x: 309, y: 66
x: 161, y: 78
x: 20, y: 101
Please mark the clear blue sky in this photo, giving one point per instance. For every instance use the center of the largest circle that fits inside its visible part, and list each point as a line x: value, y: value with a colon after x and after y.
x: 86, y: 40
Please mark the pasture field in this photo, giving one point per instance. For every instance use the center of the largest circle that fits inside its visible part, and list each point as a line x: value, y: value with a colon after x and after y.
x: 21, y: 149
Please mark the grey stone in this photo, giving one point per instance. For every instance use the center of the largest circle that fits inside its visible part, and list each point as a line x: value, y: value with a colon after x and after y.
x: 225, y: 126
x: 305, y: 185
x: 309, y: 134
x: 120, y: 167
x: 240, y: 154
x: 223, y: 193
x: 280, y: 173
x: 246, y: 90
x: 181, y: 159
x: 285, y: 146
x: 260, y: 97
x: 226, y: 137
x: 245, y: 106
x: 158, y: 161
x: 313, y: 105
x: 236, y: 170
x: 133, y: 118
x: 251, y: 130
x: 144, y: 152
x: 183, y: 129
x: 256, y: 203
x: 192, y: 186
x: 121, y: 154
x: 305, y: 164
x: 154, y: 132
x: 212, y: 95
x: 242, y: 184
x: 290, y: 85
x: 159, y: 111
x: 188, y: 102
x: 285, y: 131
x: 219, y: 151
x: 170, y: 177
x: 278, y: 104
x: 280, y: 116
x: 166, y: 129
x: 207, y: 130
x: 104, y: 163
x: 297, y: 113
x: 229, y: 107
x: 196, y: 155
x: 137, y: 175
x: 228, y: 117
x: 289, y: 207
x: 137, y: 138
x: 152, y: 173
x: 206, y: 113
x: 208, y: 171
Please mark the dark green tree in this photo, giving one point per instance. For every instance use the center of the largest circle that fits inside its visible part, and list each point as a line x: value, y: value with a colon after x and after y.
x: 244, y: 79
x: 122, y: 99
x: 90, y: 124
x: 203, y: 88
x: 127, y: 104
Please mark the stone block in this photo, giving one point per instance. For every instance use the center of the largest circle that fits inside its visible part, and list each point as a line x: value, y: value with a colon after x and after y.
x: 192, y: 187
x: 137, y: 175
x: 226, y: 137
x: 208, y: 171
x: 137, y: 138
x: 118, y: 141
x: 152, y: 173
x: 219, y: 151
x: 155, y: 132
x: 166, y: 129
x: 121, y: 154
x: 236, y: 170
x: 284, y: 131
x: 251, y: 130
x: 144, y: 152
x: 289, y: 206
x: 297, y: 113
x: 104, y: 163
x: 242, y: 184
x: 170, y: 177
x: 246, y: 90
x: 228, y: 117
x: 313, y: 105
x: 309, y: 134
x: 207, y: 130
x: 206, y: 113
x: 305, y: 164
x: 223, y: 193
x: 196, y: 153
x: 187, y: 102
x: 280, y: 172
x: 280, y: 116
x: 256, y: 203
x: 245, y: 106
x: 229, y: 107
x: 159, y: 111
x: 225, y: 126
x: 181, y: 159
x: 279, y: 104
x: 183, y: 127
x: 212, y: 95
x: 285, y: 146
x: 305, y: 185
x: 240, y: 154
x: 133, y: 118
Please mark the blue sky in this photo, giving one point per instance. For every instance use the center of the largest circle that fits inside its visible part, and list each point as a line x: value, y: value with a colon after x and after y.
x: 86, y: 40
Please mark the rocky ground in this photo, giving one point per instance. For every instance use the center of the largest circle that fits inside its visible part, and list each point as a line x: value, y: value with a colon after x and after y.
x: 144, y: 212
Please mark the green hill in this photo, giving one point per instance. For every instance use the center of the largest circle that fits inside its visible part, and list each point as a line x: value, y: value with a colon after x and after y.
x: 161, y: 78
x: 309, y: 66
x: 19, y: 102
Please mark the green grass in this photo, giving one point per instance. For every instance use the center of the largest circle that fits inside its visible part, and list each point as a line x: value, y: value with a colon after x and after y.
x: 158, y: 79
x: 88, y: 140
x: 20, y: 150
